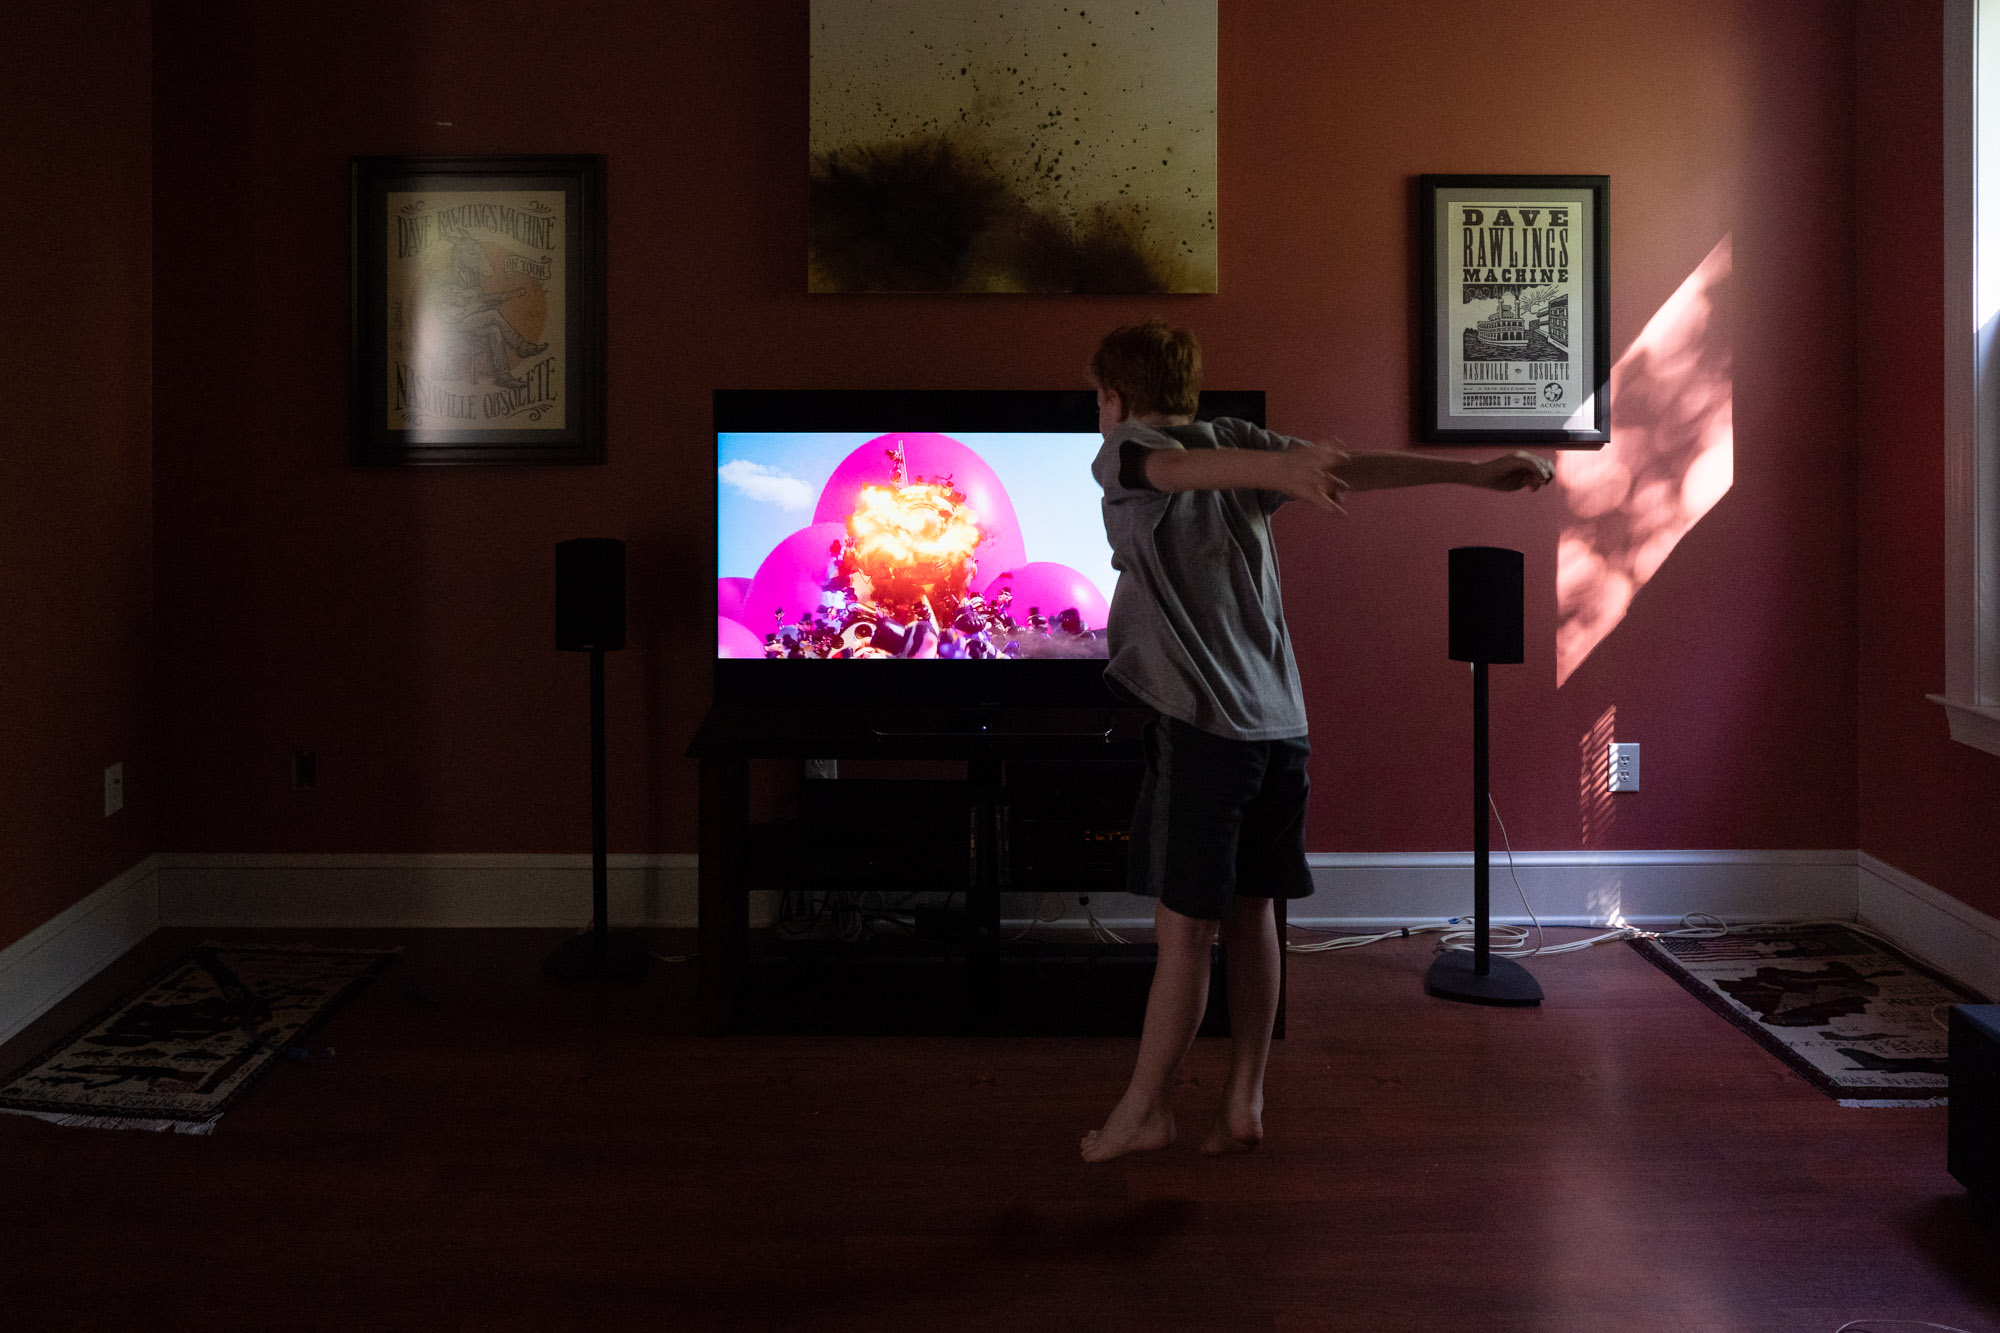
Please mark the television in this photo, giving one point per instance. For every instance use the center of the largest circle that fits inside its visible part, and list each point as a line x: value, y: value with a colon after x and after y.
x: 924, y: 548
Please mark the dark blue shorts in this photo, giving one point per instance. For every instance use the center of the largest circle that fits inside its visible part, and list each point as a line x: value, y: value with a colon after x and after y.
x: 1218, y: 818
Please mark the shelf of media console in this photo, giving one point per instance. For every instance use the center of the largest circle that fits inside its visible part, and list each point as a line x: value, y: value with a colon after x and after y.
x: 1019, y: 765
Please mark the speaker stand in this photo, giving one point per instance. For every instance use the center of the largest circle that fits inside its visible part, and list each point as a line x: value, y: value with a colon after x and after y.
x: 1479, y: 977
x: 600, y: 954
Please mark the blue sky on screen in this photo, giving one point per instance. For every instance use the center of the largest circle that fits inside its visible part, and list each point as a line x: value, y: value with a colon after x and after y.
x: 768, y: 483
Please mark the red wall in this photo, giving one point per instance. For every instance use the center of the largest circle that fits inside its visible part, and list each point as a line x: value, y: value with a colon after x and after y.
x: 1929, y: 806
x: 400, y: 621
x: 75, y: 455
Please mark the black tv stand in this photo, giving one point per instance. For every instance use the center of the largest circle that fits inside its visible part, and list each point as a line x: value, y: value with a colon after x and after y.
x: 1005, y: 752
x: 1085, y: 726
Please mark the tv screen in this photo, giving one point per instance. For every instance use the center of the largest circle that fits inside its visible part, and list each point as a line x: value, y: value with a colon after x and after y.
x: 928, y: 547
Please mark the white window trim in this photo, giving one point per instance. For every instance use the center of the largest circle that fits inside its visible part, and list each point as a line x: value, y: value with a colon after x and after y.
x: 1971, y: 697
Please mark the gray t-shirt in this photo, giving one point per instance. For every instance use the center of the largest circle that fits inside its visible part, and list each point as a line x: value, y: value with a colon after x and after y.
x: 1197, y: 627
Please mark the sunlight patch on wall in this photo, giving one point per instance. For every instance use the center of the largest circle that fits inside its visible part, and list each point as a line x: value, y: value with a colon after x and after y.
x: 1593, y: 780
x: 1604, y: 899
x: 1670, y: 459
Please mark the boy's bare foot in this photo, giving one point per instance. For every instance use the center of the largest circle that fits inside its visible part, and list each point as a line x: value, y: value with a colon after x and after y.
x: 1236, y: 1129
x: 1129, y: 1130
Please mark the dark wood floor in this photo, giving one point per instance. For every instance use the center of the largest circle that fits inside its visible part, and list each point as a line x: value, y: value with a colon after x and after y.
x: 524, y: 1156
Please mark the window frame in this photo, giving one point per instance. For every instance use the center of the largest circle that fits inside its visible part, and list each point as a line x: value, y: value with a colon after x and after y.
x: 1971, y: 697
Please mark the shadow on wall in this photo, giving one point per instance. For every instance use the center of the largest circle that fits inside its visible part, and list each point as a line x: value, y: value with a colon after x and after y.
x: 1594, y: 808
x: 1670, y: 459
x: 1604, y: 898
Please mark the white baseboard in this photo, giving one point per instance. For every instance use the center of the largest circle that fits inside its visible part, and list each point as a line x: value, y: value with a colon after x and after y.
x: 1641, y: 888
x: 1370, y: 891
x: 39, y: 969
x: 1932, y: 926
x: 1359, y: 890
x: 357, y: 890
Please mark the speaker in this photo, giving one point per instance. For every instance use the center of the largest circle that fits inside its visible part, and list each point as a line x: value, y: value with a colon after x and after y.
x: 590, y: 594
x: 1486, y: 605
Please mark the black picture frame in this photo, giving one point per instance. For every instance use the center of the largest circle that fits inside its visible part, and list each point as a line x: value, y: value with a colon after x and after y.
x: 477, y: 310
x: 1536, y: 252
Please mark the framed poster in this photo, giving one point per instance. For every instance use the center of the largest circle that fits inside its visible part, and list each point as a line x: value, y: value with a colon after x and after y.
x: 1516, y: 296
x: 478, y: 310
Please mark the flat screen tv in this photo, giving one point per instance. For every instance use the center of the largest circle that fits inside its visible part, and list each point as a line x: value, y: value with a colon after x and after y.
x: 931, y: 548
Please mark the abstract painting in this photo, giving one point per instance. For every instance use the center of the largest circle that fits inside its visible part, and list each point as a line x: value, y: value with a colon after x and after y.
x: 1012, y: 146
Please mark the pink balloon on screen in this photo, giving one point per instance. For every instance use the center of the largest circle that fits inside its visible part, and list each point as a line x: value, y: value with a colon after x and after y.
x: 1054, y: 588
x: 792, y: 577
x: 931, y: 457
x: 734, y: 639
x: 729, y: 595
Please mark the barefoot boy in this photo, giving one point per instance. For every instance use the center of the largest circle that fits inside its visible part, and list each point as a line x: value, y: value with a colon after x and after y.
x: 1198, y: 635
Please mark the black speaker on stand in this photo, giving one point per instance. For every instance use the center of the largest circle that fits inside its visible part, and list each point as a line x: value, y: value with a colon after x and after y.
x: 590, y: 617
x: 1486, y: 627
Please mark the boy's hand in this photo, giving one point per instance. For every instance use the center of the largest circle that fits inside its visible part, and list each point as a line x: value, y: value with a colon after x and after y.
x: 1311, y: 472
x: 1512, y: 472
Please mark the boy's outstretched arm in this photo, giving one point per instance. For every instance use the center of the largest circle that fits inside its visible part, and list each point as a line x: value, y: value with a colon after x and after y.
x: 1383, y: 469
x: 1307, y: 471
x: 1320, y: 474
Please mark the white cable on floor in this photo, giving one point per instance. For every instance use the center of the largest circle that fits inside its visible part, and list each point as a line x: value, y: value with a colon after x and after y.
x: 1103, y: 933
x: 1459, y: 939
x: 1466, y: 941
x: 1042, y: 902
x: 1356, y: 941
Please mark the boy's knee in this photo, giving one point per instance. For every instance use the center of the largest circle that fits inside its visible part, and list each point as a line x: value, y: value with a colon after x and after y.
x: 1247, y: 910
x: 1178, y: 931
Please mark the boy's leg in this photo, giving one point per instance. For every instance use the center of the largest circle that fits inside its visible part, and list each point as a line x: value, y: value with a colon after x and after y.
x: 1144, y: 1117
x: 1250, y: 944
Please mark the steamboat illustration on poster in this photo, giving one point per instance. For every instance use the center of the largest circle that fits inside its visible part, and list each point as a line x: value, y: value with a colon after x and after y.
x: 1515, y: 280
x: 476, y: 335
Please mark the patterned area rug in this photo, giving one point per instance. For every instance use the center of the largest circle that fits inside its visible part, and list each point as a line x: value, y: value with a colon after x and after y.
x: 1862, y: 1022
x: 181, y: 1051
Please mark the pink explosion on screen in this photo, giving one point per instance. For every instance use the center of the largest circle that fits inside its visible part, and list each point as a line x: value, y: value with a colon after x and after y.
x: 914, y: 552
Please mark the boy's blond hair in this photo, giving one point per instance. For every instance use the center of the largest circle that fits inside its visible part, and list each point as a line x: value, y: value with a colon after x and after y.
x: 1153, y: 367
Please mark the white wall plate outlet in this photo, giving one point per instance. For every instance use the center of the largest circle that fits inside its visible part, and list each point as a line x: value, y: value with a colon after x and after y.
x: 114, y: 789
x: 1624, y: 766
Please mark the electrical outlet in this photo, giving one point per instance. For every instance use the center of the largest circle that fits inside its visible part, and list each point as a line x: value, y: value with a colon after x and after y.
x: 114, y: 789
x: 305, y: 770
x: 1624, y: 766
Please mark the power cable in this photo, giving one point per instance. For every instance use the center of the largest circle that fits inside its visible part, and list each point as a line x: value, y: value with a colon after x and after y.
x: 1041, y: 903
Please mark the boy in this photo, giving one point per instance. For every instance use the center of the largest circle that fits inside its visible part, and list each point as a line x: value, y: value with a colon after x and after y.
x: 1197, y: 634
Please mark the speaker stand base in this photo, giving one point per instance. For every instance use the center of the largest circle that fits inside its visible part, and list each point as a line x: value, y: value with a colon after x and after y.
x: 622, y: 958
x: 1506, y: 982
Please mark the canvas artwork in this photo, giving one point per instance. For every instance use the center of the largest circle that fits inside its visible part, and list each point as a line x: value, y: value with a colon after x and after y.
x: 1015, y: 146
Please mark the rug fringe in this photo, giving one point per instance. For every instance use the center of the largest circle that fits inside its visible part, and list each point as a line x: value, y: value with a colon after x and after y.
x: 116, y: 1121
